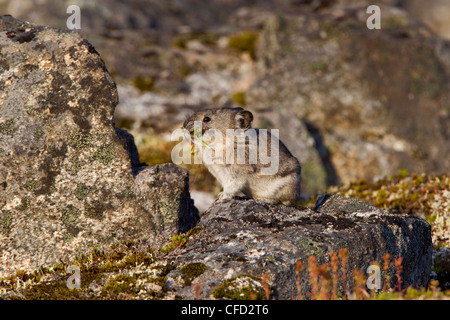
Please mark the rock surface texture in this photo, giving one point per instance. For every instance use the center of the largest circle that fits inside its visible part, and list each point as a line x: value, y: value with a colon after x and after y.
x: 66, y: 178
x: 252, y: 250
x: 240, y: 241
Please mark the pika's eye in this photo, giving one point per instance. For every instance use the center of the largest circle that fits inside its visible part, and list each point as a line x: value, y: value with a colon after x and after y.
x: 206, y: 119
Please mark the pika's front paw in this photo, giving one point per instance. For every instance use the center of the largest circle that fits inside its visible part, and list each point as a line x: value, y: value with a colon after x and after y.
x: 228, y: 197
x: 224, y: 197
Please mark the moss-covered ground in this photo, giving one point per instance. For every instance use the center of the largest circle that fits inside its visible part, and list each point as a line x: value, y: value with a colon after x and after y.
x: 425, y: 196
x: 138, y: 269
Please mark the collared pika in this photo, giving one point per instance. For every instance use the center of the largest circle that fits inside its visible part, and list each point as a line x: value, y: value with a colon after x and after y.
x: 254, y: 177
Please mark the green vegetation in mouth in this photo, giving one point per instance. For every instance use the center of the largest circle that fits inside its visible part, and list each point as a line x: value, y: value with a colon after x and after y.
x: 196, y: 137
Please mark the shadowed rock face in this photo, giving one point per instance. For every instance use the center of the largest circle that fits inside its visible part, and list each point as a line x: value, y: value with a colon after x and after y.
x: 247, y: 239
x: 65, y: 172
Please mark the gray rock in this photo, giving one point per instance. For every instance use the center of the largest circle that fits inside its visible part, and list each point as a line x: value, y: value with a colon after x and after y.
x: 165, y: 189
x: 66, y: 174
x: 240, y: 241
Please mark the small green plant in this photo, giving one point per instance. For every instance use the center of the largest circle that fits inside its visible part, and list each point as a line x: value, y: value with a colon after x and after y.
x: 245, y: 42
x: 242, y: 287
x: 144, y: 83
x: 7, y: 127
x: 239, y: 98
x: 80, y: 140
x: 33, y: 185
x: 104, y: 154
x: 177, y: 241
x: 192, y: 271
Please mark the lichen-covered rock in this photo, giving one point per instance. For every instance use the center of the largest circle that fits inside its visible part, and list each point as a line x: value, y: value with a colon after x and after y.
x: 166, y: 191
x: 66, y: 178
x: 251, y: 239
x: 421, y: 195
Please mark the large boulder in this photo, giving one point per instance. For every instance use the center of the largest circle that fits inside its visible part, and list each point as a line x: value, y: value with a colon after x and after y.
x: 239, y: 243
x: 66, y: 174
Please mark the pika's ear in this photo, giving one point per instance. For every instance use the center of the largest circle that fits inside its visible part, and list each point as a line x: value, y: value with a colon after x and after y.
x: 244, y: 119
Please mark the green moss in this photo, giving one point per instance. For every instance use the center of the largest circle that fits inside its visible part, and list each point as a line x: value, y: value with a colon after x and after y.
x: 406, y: 194
x: 104, y: 154
x: 169, y: 209
x: 179, y: 43
x: 75, y: 165
x: 179, y: 240
x: 94, y: 266
x: 24, y: 204
x: 39, y: 133
x: 51, y: 291
x: 82, y: 191
x: 94, y: 210
x: 133, y: 286
x: 242, y: 287
x: 184, y: 70
x: 239, y: 98
x: 431, y: 219
x: 176, y: 241
x: 121, y: 284
x: 135, y: 259
x: 192, y: 271
x: 334, y: 30
x: 5, y: 222
x: 403, y: 173
x: 69, y: 218
x: 56, y: 289
x: 33, y: 185
x: 144, y: 83
x: 245, y: 42
x: 80, y: 140
x: 319, y: 66
x: 205, y: 38
x: 310, y: 246
x: 381, y: 196
x: 7, y: 127
x: 125, y: 123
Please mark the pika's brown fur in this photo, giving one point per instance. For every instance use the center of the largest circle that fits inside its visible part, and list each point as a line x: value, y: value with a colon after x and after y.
x: 247, y: 179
